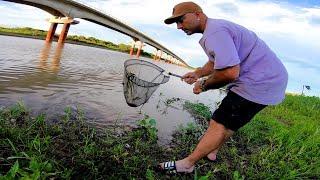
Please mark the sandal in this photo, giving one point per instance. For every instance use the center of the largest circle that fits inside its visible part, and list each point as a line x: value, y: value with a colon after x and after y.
x: 168, y: 167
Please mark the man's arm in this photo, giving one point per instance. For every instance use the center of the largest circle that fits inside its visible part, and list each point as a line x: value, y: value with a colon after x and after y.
x: 206, y: 70
x: 218, y: 79
x: 192, y: 77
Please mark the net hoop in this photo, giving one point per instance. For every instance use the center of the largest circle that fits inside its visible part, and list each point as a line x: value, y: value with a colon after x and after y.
x: 140, y: 81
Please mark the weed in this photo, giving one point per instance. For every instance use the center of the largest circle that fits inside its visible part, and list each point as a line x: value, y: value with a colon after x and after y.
x: 281, y: 142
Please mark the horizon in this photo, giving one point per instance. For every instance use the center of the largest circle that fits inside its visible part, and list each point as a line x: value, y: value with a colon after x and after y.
x: 290, y: 28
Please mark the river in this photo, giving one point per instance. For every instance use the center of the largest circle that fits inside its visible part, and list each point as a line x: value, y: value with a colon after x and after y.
x: 49, y: 77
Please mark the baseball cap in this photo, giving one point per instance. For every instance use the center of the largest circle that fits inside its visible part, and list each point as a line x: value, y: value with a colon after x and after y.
x: 182, y: 9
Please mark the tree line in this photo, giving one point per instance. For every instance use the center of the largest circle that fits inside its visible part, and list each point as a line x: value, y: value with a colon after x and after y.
x: 92, y: 41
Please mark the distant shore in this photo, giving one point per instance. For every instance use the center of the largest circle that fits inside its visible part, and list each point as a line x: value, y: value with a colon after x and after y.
x: 27, y: 32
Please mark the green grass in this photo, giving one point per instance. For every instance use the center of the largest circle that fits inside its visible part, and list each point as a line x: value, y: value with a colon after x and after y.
x: 281, y: 142
x: 287, y: 138
x: 32, y: 148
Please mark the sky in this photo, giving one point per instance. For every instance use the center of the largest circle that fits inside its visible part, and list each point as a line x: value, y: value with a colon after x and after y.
x: 290, y: 28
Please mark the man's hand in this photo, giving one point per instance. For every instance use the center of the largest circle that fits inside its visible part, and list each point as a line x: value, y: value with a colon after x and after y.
x: 197, y: 88
x: 190, y: 77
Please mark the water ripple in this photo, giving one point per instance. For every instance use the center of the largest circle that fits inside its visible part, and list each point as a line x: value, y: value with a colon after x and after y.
x: 50, y: 77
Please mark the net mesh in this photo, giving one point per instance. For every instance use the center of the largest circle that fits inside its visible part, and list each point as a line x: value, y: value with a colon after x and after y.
x: 141, y: 79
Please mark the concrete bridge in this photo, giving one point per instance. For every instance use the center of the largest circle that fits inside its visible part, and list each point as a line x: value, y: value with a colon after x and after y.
x: 64, y: 12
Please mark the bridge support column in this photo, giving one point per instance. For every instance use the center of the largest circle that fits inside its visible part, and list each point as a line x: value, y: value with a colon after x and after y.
x: 131, y: 51
x: 139, y: 49
x: 66, y: 21
x: 64, y: 32
x: 136, y: 44
x: 132, y: 48
x: 155, y: 55
x: 169, y: 59
x: 51, y: 32
x: 160, y: 55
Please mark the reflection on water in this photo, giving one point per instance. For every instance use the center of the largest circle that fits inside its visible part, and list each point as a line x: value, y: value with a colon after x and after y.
x: 49, y: 77
x: 44, y: 61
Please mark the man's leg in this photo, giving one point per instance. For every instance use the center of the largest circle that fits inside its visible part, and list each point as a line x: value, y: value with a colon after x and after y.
x: 233, y: 113
x: 213, y: 138
x: 213, y: 154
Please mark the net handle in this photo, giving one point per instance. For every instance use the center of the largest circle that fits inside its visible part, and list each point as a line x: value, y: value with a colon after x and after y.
x: 176, y: 75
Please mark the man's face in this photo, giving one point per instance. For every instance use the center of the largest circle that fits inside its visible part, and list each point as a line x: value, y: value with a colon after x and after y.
x: 189, y: 23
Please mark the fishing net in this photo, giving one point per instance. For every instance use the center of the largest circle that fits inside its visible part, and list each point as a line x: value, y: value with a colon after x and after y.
x: 141, y: 79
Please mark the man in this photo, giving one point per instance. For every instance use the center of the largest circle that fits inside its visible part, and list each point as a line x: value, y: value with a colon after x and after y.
x: 255, y: 78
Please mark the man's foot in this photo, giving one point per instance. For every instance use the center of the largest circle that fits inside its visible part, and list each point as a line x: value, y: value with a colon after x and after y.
x: 181, y: 166
x: 212, y: 156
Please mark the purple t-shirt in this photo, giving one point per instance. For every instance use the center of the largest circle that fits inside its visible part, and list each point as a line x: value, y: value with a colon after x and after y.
x: 263, y: 78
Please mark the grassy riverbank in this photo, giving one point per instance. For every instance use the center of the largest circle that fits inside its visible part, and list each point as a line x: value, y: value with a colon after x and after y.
x: 281, y: 142
x: 74, y: 39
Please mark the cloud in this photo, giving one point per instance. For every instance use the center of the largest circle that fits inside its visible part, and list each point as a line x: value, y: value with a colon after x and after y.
x: 264, y: 17
x: 228, y: 8
x: 130, y: 3
x: 313, y: 14
x: 315, y: 20
x: 306, y: 76
x: 300, y: 62
x: 14, y: 11
x: 143, y: 12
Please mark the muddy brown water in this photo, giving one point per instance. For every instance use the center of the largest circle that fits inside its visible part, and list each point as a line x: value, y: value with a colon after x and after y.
x: 50, y: 77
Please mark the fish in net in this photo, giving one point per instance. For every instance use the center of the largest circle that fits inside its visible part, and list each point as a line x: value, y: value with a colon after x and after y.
x: 141, y: 79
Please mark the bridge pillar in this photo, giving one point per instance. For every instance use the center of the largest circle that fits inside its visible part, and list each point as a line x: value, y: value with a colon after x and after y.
x: 138, y: 44
x: 131, y: 51
x: 51, y: 32
x: 139, y: 48
x: 160, y: 55
x: 64, y: 32
x: 155, y: 55
x: 169, y: 57
x: 132, y: 48
x: 66, y: 21
x: 165, y: 57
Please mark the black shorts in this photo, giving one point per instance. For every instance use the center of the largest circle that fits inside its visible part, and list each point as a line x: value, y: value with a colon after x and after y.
x: 236, y: 111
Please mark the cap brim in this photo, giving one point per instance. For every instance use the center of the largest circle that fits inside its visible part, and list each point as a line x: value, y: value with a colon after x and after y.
x: 172, y: 19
